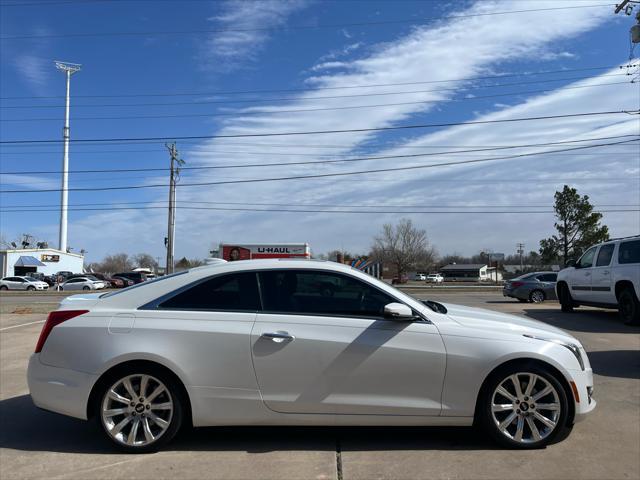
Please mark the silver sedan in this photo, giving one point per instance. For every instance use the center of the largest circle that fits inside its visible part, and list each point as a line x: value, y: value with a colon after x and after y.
x: 532, y: 287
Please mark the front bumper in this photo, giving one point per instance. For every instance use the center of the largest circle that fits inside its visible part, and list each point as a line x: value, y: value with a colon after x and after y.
x: 59, y: 390
x: 583, y: 381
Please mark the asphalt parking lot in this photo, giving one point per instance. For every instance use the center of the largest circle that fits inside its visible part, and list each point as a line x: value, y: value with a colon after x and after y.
x: 38, y: 444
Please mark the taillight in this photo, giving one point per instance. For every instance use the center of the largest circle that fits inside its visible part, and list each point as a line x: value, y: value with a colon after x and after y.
x: 517, y: 284
x: 56, y: 318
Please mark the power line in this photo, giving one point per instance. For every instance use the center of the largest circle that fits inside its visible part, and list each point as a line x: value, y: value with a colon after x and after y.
x: 315, y: 162
x: 322, y: 175
x: 334, y: 97
x: 303, y: 110
x: 323, y: 132
x: 289, y: 210
x: 287, y: 27
x: 342, y: 87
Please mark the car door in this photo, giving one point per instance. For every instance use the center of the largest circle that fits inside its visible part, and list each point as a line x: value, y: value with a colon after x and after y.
x: 322, y: 351
x: 581, y: 276
x: 601, y: 285
x: 73, y: 284
x: 14, y: 283
x: 548, y: 285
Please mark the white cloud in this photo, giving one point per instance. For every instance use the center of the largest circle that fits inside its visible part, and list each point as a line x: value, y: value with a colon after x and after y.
x: 244, y: 29
x: 34, y: 69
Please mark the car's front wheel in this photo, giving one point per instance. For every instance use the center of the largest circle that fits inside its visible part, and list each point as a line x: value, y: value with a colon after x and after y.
x: 564, y: 297
x: 629, y: 307
x: 536, y: 296
x: 140, y: 411
x: 523, y: 407
x: 4, y: 287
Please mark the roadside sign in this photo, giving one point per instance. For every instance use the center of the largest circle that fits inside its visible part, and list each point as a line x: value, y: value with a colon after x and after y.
x: 496, y: 257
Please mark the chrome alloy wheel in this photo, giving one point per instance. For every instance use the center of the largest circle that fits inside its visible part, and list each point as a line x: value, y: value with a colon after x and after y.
x: 525, y: 407
x: 537, y: 296
x: 137, y: 410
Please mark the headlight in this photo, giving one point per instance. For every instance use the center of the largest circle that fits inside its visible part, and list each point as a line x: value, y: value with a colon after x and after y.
x: 575, y: 349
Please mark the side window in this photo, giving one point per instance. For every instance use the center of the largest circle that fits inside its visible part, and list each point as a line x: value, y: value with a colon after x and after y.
x: 629, y: 252
x: 233, y: 292
x: 605, y: 254
x: 586, y: 260
x: 320, y: 293
x: 548, y: 277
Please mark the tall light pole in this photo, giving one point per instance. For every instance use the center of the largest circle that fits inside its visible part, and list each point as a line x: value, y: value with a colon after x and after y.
x: 69, y: 69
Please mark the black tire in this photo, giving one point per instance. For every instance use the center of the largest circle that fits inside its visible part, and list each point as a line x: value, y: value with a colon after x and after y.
x: 30, y: 289
x: 534, y: 296
x: 629, y: 307
x: 175, y: 394
x: 484, y: 415
x: 564, y: 297
x: 4, y: 287
x: 85, y: 288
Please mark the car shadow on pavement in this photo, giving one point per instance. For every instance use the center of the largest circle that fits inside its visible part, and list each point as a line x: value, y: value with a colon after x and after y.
x: 616, y: 363
x: 590, y: 321
x: 25, y: 427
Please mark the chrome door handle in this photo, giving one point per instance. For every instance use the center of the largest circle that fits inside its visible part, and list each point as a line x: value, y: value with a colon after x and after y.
x: 606, y: 272
x: 279, y: 336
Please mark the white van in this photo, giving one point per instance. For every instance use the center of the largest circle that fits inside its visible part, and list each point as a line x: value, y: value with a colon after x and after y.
x: 606, y: 275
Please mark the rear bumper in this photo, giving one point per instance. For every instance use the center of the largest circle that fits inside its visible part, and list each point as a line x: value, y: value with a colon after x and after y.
x: 59, y: 390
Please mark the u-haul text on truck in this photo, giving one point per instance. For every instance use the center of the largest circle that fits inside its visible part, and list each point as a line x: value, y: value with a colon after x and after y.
x: 244, y: 251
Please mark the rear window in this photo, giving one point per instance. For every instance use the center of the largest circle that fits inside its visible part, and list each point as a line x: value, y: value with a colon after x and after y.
x: 629, y: 252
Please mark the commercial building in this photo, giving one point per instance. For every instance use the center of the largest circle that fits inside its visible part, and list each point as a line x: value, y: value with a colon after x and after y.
x: 43, y: 260
x: 471, y: 272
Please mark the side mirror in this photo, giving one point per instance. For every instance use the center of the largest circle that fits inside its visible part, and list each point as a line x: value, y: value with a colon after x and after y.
x: 571, y: 263
x: 398, y: 311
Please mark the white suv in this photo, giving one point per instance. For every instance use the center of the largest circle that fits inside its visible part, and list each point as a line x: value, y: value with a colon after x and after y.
x: 606, y: 275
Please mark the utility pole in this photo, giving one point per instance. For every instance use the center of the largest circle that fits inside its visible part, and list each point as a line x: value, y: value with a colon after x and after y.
x: 174, y: 170
x: 520, y: 252
x: 69, y: 69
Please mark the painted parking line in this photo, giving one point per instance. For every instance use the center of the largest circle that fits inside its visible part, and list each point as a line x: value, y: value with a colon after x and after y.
x: 21, y: 325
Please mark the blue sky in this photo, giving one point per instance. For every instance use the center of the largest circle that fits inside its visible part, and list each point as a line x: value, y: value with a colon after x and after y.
x: 424, y: 70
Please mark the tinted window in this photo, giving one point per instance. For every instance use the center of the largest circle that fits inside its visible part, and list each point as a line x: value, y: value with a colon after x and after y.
x: 235, y: 292
x: 604, y: 255
x: 320, y: 293
x: 548, y: 277
x: 587, y: 259
x: 629, y: 252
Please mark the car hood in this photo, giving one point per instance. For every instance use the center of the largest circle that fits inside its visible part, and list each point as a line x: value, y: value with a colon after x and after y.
x: 488, y: 320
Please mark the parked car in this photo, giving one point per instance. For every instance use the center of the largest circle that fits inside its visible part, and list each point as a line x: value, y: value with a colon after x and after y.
x: 399, y: 280
x: 22, y: 283
x: 247, y: 343
x: 42, y: 277
x: 419, y: 277
x: 113, y: 282
x: 82, y: 283
x: 127, y: 282
x: 137, y: 277
x: 434, y: 278
x: 607, y: 275
x: 532, y: 287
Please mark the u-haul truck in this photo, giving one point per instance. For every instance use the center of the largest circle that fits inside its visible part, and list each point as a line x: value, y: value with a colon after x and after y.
x: 244, y: 251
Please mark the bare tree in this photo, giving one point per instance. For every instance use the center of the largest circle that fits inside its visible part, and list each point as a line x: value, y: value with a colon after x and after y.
x: 144, y: 260
x: 120, y: 262
x: 403, y: 246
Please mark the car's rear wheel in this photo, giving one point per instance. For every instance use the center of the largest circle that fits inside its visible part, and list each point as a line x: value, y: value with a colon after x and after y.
x: 4, y: 287
x: 140, y: 411
x: 564, y: 297
x: 629, y: 307
x: 537, y: 296
x: 523, y: 407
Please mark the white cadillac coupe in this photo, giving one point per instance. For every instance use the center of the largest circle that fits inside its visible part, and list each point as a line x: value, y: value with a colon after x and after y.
x: 290, y: 342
